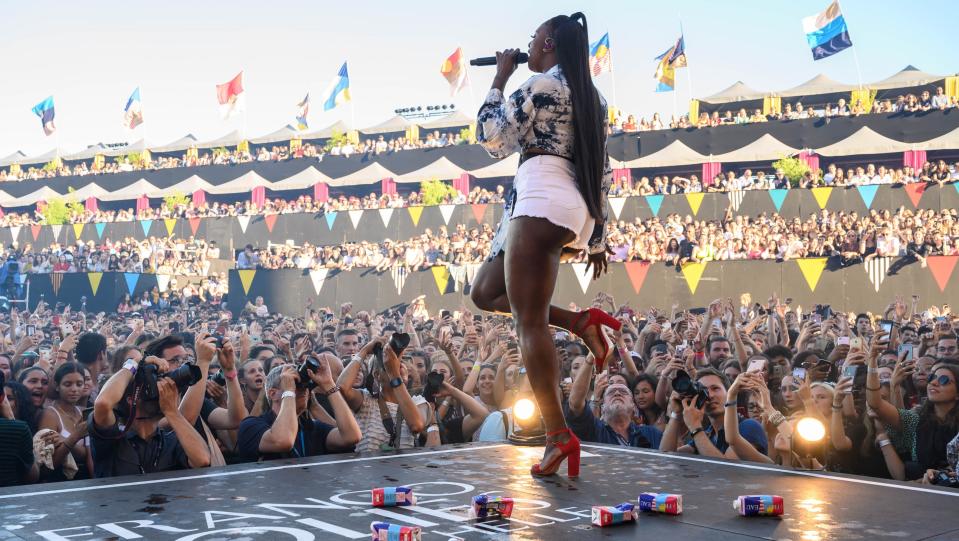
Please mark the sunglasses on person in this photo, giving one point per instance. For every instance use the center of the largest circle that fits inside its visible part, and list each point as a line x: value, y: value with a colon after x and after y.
x: 942, y: 380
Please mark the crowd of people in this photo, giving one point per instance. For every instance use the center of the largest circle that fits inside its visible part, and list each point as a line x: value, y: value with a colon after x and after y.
x: 82, y: 397
x: 138, y: 161
x: 912, y: 235
x: 939, y: 172
x: 170, y: 256
x: 904, y: 103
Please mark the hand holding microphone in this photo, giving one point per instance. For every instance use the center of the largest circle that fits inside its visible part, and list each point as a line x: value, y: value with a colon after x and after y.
x: 505, y: 66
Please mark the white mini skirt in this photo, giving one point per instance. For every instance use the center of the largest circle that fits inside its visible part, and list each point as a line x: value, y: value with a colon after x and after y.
x: 545, y: 187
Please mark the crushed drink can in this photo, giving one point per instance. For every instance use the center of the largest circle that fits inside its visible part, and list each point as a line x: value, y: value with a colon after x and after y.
x: 393, y: 496
x: 485, y: 506
x: 759, y: 506
x: 607, y: 516
x: 384, y: 531
x: 670, y: 504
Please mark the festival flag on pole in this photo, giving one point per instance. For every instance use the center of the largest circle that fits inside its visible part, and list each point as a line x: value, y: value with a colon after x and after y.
x: 45, y: 111
x: 826, y: 32
x: 339, y: 90
x: 304, y: 110
x: 599, y: 58
x: 674, y: 57
x: 454, y: 70
x: 230, y: 96
x: 133, y: 112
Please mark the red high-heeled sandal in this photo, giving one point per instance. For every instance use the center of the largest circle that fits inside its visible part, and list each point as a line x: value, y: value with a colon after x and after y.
x: 570, y: 452
x: 598, y: 319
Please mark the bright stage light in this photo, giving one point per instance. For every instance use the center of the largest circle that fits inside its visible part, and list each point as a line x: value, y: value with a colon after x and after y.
x: 810, y: 429
x: 523, y: 409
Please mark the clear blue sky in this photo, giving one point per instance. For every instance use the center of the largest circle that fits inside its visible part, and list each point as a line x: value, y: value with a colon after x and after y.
x: 90, y: 56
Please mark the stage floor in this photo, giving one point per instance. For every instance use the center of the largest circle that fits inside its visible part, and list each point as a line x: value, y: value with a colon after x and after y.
x: 328, y: 498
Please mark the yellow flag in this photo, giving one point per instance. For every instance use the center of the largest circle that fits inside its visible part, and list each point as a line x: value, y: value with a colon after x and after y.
x: 94, y: 278
x: 693, y: 272
x: 811, y: 270
x: 442, y: 278
x: 246, y: 278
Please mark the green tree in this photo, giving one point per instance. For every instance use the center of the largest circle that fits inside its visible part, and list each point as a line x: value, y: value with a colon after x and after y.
x: 337, y: 139
x: 58, y: 210
x: 793, y: 168
x: 435, y: 191
x: 176, y: 199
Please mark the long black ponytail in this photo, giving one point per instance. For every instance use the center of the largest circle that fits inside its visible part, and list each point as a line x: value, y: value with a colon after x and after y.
x: 589, y: 135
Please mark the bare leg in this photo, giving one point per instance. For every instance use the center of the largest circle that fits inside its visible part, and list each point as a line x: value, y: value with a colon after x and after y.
x: 531, y: 266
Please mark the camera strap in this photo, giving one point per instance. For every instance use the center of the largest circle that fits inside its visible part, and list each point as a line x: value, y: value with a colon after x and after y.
x: 392, y: 427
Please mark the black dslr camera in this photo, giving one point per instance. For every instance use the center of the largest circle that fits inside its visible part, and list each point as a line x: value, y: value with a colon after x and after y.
x: 148, y: 397
x: 311, y: 363
x: 434, y: 381
x: 398, y: 343
x: 687, y: 387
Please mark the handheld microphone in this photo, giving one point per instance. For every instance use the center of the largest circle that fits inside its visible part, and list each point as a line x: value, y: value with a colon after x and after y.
x: 521, y: 58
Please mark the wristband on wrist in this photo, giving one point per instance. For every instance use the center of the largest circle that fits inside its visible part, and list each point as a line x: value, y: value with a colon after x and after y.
x: 883, y: 443
x: 673, y: 415
x: 335, y: 389
x: 872, y: 370
x: 693, y: 433
x: 730, y: 403
x: 230, y: 374
x: 131, y: 365
x: 837, y: 408
x: 432, y: 428
x: 287, y: 394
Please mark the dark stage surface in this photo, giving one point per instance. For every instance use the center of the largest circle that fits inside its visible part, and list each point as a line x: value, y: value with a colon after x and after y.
x: 328, y: 498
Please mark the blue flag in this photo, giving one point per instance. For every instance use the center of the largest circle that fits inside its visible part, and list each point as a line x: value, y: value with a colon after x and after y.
x: 45, y: 111
x: 826, y: 32
x: 339, y: 90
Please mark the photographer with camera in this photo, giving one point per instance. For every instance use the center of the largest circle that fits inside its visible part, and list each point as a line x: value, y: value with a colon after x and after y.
x: 615, y: 425
x: 284, y: 431
x: 388, y: 416
x: 147, y: 391
x: 699, y: 406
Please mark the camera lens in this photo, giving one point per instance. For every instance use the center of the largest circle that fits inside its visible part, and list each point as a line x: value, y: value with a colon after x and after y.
x: 310, y: 364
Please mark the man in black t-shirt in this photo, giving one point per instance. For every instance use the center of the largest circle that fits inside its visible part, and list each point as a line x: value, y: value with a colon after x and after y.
x: 142, y: 447
x: 16, y: 453
x: 284, y: 432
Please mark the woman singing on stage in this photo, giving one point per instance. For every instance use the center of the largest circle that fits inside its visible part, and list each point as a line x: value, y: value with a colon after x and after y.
x: 557, y: 122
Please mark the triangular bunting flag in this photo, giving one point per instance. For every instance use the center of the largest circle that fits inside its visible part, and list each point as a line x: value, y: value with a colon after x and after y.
x: 441, y: 276
x: 355, y: 216
x: 56, y: 232
x: 146, y: 225
x: 736, y: 199
x: 77, y: 231
x: 941, y: 267
x: 868, y: 193
x: 35, y: 231
x: 654, y: 202
x: 636, y: 270
x: 246, y: 278
x: 170, y: 224
x: 692, y: 272
x: 194, y: 225
x: 100, y: 226
x: 270, y: 220
x: 778, y: 197
x: 447, y: 212
x: 330, y: 218
x: 14, y: 232
x: 385, y: 215
x: 876, y: 269
x: 695, y: 200
x: 582, y: 276
x: 415, y: 213
x: 132, y: 278
x: 822, y: 195
x: 479, y: 210
x: 617, y: 205
x: 812, y: 269
x: 915, y: 191
x: 56, y: 279
x: 163, y: 282
x: 244, y: 222
x: 318, y: 277
x: 94, y: 278
x: 399, y: 275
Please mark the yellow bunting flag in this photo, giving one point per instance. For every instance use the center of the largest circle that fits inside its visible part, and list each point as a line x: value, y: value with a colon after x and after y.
x: 811, y: 270
x: 415, y: 213
x: 693, y: 272
x: 442, y: 278
x: 170, y: 223
x: 246, y: 278
x: 94, y: 278
x: 822, y: 195
x: 77, y: 231
x: 695, y: 200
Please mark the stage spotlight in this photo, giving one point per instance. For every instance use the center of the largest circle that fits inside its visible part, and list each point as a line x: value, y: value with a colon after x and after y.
x: 524, y: 409
x: 528, y: 426
x: 810, y: 429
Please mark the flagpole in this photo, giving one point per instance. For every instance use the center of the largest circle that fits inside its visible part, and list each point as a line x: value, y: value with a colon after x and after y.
x: 855, y: 57
x: 612, y: 79
x: 689, y: 73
